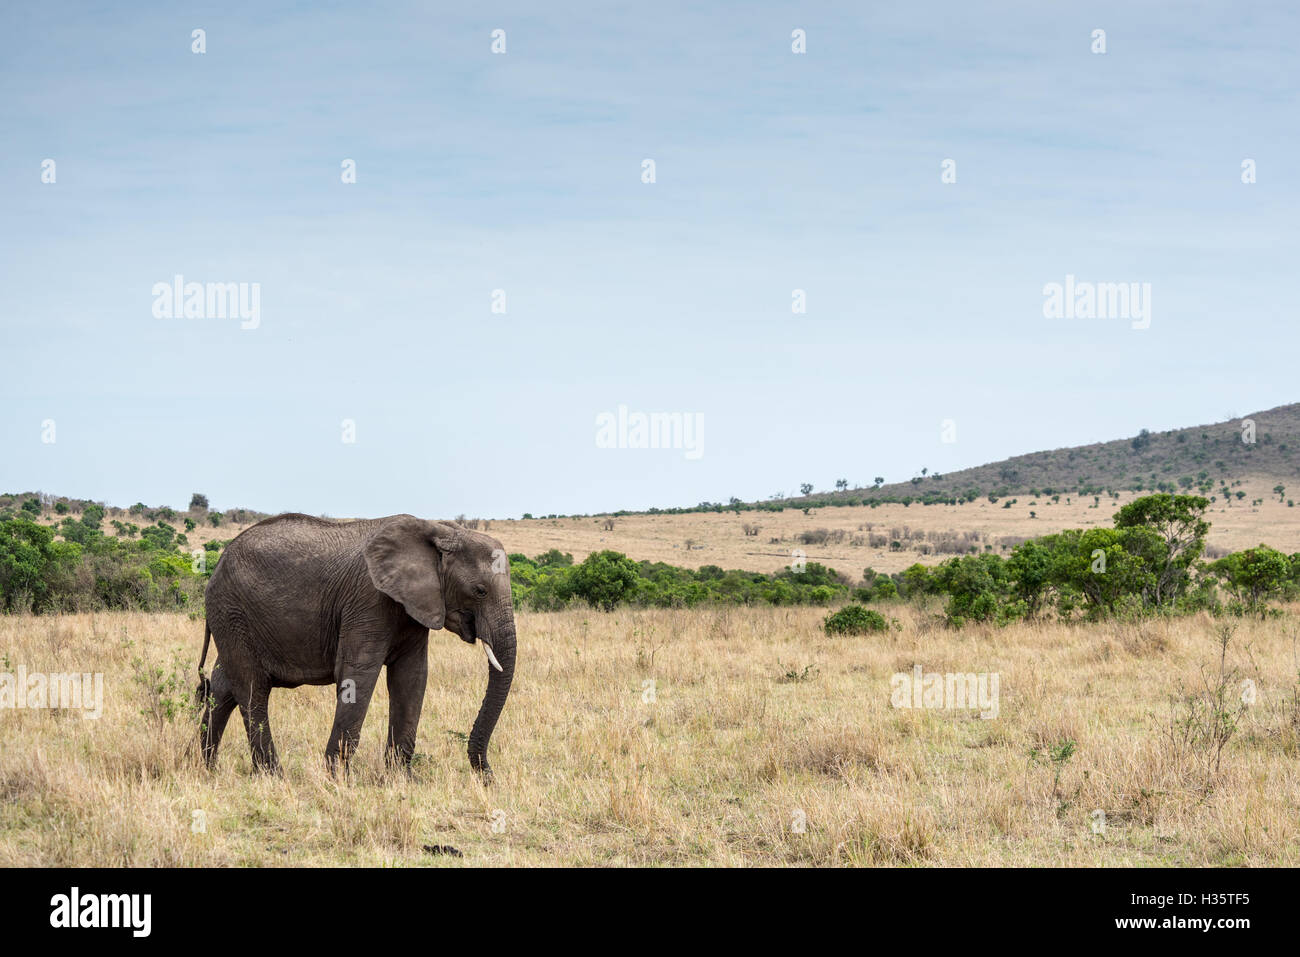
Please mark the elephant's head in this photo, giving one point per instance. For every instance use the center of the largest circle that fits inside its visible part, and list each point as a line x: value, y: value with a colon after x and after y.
x: 450, y: 577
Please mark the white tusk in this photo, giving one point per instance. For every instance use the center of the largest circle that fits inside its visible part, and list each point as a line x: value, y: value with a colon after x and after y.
x: 487, y: 650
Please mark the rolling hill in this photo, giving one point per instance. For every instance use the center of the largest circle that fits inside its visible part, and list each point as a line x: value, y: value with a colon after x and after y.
x: 1263, y: 444
x: 989, y: 507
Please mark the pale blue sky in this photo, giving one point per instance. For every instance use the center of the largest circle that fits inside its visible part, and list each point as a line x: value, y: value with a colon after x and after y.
x: 775, y: 171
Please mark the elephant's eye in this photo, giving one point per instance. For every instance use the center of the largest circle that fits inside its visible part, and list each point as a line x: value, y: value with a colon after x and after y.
x: 480, y: 590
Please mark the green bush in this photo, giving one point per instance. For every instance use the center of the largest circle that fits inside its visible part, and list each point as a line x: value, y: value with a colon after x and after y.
x: 1255, y: 575
x: 33, y: 566
x: 883, y: 588
x: 854, y: 620
x: 605, y: 579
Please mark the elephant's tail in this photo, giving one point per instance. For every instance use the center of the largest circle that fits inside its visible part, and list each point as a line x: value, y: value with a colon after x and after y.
x: 205, y: 685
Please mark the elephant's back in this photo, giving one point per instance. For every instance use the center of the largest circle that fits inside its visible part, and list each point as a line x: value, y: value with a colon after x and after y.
x: 294, y: 534
x: 275, y: 595
x: 286, y: 554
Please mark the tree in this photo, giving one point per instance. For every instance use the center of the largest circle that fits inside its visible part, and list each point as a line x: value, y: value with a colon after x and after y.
x: 554, y: 559
x: 1179, y: 522
x: 31, y: 562
x: 198, y: 500
x: 974, y: 585
x: 1030, y: 567
x: 1105, y: 565
x: 92, y: 515
x: 806, y: 488
x: 879, y: 481
x: 1254, y: 575
x: 841, y: 484
x: 917, y: 579
x: 604, y: 579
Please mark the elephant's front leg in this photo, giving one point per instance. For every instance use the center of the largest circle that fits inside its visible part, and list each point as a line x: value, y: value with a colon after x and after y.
x: 355, y: 677
x: 407, y: 678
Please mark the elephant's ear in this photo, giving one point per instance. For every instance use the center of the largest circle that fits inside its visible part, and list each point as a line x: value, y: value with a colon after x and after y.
x: 404, y: 559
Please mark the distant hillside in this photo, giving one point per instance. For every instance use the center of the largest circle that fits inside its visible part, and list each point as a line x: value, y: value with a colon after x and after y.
x: 990, y: 508
x: 1202, y: 458
x: 1212, y: 460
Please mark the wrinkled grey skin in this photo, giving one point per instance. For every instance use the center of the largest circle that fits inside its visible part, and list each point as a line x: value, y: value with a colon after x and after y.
x: 298, y: 600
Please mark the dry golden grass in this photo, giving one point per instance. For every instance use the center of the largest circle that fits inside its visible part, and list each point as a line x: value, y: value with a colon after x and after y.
x: 715, y: 770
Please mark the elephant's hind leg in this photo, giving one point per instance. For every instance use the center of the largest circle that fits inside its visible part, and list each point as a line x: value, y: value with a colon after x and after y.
x: 254, y: 702
x: 218, y: 707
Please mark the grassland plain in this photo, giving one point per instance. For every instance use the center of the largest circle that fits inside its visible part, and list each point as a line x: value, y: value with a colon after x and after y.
x: 684, y: 737
x: 718, y: 538
x: 693, y: 539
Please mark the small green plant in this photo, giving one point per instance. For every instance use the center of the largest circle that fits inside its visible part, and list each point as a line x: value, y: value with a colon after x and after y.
x: 794, y: 675
x: 1203, y: 721
x: 1056, y: 757
x: 167, y: 690
x: 645, y: 656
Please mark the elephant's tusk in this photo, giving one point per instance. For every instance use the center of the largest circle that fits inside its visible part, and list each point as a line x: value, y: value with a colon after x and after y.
x: 487, y: 650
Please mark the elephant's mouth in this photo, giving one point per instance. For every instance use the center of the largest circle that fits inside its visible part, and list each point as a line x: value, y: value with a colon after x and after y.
x: 469, y: 633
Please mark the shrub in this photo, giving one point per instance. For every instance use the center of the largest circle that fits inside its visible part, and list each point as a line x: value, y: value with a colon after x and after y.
x: 555, y: 558
x: 92, y: 515
x: 1254, y: 575
x: 604, y: 579
x: 855, y: 620
x: 32, y: 565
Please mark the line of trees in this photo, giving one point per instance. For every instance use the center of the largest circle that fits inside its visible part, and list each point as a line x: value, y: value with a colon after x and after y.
x: 1149, y: 562
x: 608, y: 579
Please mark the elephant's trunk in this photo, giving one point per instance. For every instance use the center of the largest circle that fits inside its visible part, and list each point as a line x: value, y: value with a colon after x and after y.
x: 501, y: 638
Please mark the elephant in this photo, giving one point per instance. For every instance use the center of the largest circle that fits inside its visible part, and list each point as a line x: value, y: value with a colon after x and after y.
x: 297, y: 600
